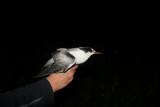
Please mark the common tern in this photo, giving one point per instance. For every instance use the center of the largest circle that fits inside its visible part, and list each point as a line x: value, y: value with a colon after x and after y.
x: 64, y: 58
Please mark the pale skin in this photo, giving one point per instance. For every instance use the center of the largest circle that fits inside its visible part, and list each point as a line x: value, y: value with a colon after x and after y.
x: 60, y: 80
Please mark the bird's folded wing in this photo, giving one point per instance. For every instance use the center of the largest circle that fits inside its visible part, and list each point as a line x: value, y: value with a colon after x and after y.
x: 60, y: 62
x: 49, y: 63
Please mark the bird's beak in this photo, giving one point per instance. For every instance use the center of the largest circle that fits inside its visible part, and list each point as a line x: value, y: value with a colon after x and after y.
x: 97, y: 53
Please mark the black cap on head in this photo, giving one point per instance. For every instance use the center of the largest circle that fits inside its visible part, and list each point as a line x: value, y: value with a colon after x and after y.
x: 86, y: 49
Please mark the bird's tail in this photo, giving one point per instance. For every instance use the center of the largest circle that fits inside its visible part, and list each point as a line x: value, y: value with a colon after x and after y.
x: 42, y: 74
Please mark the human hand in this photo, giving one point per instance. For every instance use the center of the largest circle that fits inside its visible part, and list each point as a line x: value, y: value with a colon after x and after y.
x: 61, y: 80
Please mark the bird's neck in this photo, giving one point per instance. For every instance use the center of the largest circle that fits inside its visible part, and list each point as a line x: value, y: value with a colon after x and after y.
x: 80, y: 56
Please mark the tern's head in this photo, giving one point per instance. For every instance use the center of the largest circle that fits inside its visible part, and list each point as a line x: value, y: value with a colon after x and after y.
x: 82, y: 53
x: 89, y: 50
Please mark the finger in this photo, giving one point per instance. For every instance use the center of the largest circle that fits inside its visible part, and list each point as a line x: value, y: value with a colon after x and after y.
x: 74, y: 71
x: 74, y: 67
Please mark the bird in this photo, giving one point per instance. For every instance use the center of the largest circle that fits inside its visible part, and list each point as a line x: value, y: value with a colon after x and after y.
x: 64, y: 58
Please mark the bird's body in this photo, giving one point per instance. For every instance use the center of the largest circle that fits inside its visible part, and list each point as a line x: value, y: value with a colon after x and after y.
x: 63, y: 58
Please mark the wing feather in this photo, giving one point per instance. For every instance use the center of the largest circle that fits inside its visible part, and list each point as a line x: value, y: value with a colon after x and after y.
x: 60, y: 62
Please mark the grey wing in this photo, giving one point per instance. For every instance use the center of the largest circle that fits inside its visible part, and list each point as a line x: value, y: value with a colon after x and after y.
x: 64, y: 61
x: 48, y: 63
x: 45, y: 68
x: 60, y: 62
x: 54, y: 68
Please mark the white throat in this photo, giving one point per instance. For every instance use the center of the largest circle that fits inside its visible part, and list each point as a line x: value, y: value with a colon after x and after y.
x: 80, y: 56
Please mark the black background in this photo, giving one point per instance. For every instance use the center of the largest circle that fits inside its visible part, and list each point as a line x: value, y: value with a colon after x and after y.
x: 126, y: 75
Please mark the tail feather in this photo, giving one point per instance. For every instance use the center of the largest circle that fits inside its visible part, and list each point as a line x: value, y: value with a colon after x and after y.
x: 42, y: 74
x: 45, y: 71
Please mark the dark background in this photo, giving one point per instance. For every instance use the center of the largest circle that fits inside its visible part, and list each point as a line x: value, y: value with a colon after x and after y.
x: 126, y: 75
